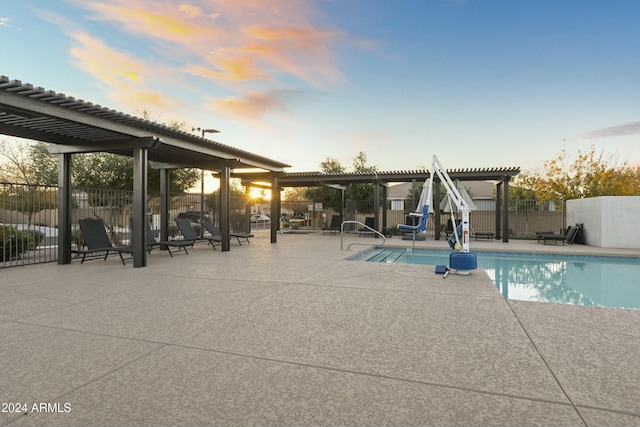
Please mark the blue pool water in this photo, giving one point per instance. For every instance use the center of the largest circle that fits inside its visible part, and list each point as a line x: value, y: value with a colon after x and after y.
x: 561, y: 279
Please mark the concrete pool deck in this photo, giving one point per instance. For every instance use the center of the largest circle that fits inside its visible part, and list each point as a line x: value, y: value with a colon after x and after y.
x: 293, y: 334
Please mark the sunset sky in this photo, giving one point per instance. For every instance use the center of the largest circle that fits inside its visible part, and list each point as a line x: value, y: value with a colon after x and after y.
x: 479, y: 83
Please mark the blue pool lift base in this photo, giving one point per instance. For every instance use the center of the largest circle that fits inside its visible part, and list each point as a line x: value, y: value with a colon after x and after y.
x: 463, y: 262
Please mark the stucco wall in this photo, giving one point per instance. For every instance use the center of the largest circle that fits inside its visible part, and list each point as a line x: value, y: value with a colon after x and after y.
x: 609, y: 222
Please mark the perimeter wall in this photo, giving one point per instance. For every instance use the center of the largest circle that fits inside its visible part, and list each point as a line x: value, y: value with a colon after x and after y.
x: 609, y: 221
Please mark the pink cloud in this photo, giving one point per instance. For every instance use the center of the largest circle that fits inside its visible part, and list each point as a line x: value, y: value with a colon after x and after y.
x: 123, y: 74
x: 251, y: 106
x: 231, y: 40
x: 251, y: 46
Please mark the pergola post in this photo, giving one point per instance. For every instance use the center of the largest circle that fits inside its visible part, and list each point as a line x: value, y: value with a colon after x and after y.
x: 275, y: 208
x: 436, y: 207
x: 247, y: 210
x: 384, y: 209
x: 138, y: 236
x: 376, y: 205
x: 505, y: 201
x: 165, y: 175
x: 225, y: 202
x: 498, y: 206
x: 64, y: 208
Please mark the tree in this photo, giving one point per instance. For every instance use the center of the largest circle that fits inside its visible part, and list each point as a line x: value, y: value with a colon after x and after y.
x: 361, y: 191
x: 589, y: 175
x: 30, y: 197
x: 331, y: 197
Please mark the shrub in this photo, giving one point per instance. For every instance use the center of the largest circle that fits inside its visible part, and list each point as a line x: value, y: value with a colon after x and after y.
x: 37, y: 236
x: 14, y: 243
x: 174, y: 231
x: 76, y: 238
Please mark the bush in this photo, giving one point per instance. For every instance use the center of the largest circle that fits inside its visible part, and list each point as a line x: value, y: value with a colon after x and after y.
x: 14, y: 243
x: 37, y: 236
x: 174, y: 231
x: 76, y: 238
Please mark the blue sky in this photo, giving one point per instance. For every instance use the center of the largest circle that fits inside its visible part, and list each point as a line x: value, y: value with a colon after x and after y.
x: 479, y: 83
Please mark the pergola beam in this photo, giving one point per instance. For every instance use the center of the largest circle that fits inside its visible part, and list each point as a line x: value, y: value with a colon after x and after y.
x: 105, y: 146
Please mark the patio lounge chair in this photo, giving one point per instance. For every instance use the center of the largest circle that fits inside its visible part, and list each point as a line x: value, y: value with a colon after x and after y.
x: 334, y: 226
x: 568, y: 236
x: 168, y: 244
x: 489, y: 235
x: 187, y: 231
x: 215, y: 232
x: 97, y: 241
x: 368, y: 222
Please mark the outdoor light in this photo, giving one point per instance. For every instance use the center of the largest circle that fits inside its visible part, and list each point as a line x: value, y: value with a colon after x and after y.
x: 204, y: 130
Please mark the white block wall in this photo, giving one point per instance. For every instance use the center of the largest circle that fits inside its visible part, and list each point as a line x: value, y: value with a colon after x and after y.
x: 609, y: 222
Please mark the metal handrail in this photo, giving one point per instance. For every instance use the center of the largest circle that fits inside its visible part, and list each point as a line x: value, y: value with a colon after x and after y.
x: 384, y: 239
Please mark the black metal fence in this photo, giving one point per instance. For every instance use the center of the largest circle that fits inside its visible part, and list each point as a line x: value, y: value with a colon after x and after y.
x: 526, y: 217
x: 29, y: 217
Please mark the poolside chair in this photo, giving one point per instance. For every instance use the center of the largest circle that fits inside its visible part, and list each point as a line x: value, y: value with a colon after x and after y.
x: 334, y: 226
x: 215, y: 232
x: 568, y: 236
x: 96, y: 241
x: 187, y: 231
x: 370, y: 223
x: 151, y: 242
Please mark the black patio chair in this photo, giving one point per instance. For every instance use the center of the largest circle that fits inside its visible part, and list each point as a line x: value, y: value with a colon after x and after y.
x: 369, y: 223
x: 188, y: 232
x: 334, y: 225
x: 96, y: 241
x: 215, y: 232
x: 152, y: 243
x: 568, y: 236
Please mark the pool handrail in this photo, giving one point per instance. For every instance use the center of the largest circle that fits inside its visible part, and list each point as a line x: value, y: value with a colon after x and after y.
x: 384, y: 239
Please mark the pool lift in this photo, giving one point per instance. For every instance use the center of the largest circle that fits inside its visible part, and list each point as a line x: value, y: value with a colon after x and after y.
x: 462, y: 261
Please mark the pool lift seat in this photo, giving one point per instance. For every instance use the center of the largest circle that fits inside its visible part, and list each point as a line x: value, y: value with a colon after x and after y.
x: 462, y: 261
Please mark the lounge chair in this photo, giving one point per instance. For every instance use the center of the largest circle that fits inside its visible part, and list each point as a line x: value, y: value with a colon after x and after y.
x: 215, y: 232
x: 97, y: 241
x: 489, y: 235
x: 187, y: 231
x: 334, y: 226
x: 369, y: 223
x: 168, y: 244
x: 568, y: 236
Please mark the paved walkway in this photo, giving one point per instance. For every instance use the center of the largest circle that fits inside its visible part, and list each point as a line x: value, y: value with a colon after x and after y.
x: 292, y: 334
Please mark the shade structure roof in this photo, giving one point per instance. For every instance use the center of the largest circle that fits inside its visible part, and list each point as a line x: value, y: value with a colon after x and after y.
x: 44, y: 115
x: 310, y: 179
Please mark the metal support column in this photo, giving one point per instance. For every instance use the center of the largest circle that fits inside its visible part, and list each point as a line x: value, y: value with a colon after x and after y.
x: 384, y: 208
x: 247, y: 210
x: 275, y: 209
x: 498, y: 209
x: 165, y: 175
x: 376, y: 206
x: 505, y: 201
x: 64, y: 208
x: 138, y: 237
x: 225, y: 202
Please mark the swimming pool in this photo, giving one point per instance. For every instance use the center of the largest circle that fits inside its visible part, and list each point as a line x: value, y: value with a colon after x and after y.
x: 562, y: 279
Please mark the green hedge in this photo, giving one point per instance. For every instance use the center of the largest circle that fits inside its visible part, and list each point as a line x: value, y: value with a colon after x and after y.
x: 15, y: 243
